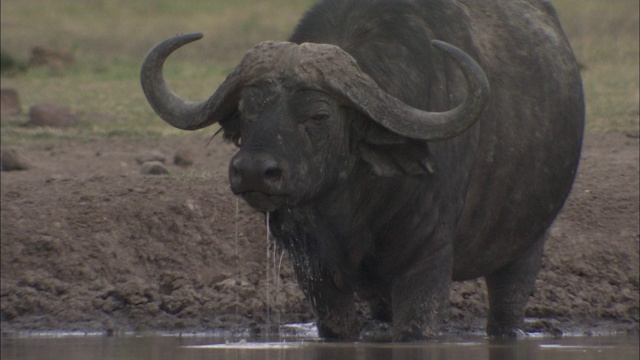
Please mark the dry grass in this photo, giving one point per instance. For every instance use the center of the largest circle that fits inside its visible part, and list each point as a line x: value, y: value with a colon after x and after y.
x: 605, y: 37
x: 109, y: 38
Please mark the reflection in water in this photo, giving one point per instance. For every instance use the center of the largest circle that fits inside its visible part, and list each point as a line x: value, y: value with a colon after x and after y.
x: 213, y: 348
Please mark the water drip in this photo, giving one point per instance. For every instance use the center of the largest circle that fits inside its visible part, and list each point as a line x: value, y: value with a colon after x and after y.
x: 268, y: 287
x: 237, y: 260
x: 277, y: 269
x: 275, y: 254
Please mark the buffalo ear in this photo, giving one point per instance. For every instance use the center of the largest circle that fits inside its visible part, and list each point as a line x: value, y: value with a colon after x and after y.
x: 231, y: 127
x: 388, y: 160
x: 388, y: 153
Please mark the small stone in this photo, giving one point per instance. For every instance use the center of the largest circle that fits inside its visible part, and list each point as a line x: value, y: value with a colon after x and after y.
x: 11, y: 159
x: 53, y: 115
x: 154, y: 168
x: 56, y: 59
x: 9, y: 103
x: 183, y: 158
x: 153, y: 155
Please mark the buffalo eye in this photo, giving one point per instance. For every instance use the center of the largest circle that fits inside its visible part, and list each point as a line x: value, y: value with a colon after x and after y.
x: 320, y: 117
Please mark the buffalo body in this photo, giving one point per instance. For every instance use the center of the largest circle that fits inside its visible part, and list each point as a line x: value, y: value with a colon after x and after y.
x: 390, y: 167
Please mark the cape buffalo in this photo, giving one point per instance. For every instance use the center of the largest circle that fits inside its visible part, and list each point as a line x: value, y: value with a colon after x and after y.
x: 387, y: 166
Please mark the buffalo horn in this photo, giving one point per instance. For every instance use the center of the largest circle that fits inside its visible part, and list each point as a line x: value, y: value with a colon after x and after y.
x: 334, y: 69
x: 326, y: 66
x: 178, y: 112
x: 188, y: 115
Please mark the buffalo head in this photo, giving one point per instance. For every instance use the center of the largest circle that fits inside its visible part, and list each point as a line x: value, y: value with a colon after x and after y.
x: 289, y: 108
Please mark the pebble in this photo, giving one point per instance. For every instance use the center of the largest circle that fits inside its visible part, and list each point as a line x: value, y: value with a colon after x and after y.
x: 45, y: 114
x: 154, y: 168
x: 183, y: 158
x: 9, y: 103
x: 153, y: 155
x: 11, y: 159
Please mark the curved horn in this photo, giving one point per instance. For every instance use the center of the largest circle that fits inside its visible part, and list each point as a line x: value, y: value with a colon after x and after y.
x: 188, y: 115
x: 345, y: 78
x: 175, y: 110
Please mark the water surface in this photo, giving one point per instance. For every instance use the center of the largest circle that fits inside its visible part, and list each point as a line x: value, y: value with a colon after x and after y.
x: 174, y: 347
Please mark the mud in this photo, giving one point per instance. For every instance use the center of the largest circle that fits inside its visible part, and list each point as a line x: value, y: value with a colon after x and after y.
x: 89, y: 243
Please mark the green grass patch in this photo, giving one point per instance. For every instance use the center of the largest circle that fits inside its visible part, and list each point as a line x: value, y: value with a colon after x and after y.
x: 109, y: 39
x: 605, y: 38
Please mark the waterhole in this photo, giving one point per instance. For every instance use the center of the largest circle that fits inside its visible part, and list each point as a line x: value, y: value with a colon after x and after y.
x: 207, y: 346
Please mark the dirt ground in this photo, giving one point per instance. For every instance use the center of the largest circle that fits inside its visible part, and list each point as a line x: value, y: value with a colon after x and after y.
x: 89, y: 243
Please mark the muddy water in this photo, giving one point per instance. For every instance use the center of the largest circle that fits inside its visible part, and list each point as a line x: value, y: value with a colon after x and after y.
x: 75, y: 347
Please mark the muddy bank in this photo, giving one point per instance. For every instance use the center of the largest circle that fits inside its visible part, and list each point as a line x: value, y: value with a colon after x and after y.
x: 90, y: 243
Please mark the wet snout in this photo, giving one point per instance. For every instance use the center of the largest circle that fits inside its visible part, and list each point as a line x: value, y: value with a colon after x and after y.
x: 259, y: 173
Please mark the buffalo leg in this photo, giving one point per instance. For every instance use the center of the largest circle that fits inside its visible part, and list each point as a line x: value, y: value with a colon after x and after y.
x: 381, y: 309
x: 420, y: 297
x: 334, y: 309
x: 510, y: 288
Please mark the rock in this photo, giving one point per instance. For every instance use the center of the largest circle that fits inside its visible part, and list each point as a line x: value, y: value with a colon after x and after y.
x: 183, y: 158
x: 154, y: 168
x: 11, y: 159
x: 9, y: 65
x: 45, y: 114
x: 152, y: 155
x: 56, y: 59
x: 9, y: 103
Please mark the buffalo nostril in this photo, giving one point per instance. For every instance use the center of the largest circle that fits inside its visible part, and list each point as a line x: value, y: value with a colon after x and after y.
x: 272, y: 174
x: 235, y: 169
x: 255, y: 173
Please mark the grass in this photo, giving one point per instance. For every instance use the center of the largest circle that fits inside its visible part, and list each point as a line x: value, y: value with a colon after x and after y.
x: 109, y: 39
x: 605, y: 38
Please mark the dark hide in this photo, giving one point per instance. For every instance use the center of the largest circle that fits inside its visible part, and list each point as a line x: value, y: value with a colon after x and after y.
x: 477, y: 205
x: 363, y: 210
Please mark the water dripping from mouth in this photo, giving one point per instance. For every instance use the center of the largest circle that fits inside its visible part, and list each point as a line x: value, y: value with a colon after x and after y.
x: 237, y: 258
x: 277, y: 268
x: 268, y: 287
x: 275, y: 254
